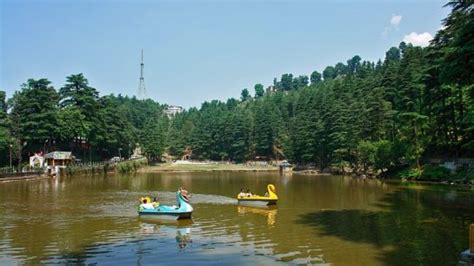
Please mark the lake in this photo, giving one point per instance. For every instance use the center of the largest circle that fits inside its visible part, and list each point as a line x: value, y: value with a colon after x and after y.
x: 318, y: 220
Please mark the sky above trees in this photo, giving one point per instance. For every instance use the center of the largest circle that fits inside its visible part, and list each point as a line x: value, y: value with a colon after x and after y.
x: 197, y: 51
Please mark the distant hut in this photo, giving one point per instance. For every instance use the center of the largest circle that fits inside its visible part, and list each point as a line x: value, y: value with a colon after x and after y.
x: 57, y: 160
x: 37, y: 160
x: 285, y: 167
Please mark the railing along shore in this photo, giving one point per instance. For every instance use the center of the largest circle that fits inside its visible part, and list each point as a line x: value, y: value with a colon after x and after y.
x: 72, y: 168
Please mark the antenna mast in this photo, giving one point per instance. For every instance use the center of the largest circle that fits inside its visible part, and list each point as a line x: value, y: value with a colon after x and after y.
x: 141, y: 84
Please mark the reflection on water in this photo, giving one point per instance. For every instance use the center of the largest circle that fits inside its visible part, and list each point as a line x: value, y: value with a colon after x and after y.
x: 183, y: 237
x: 151, y: 227
x: 93, y: 220
x: 268, y: 211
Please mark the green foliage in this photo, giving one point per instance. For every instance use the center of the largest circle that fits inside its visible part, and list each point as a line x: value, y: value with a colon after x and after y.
x: 245, y: 95
x: 435, y: 173
x: 375, y: 116
x: 33, y: 116
x: 385, y: 156
x: 315, y: 78
x: 5, y: 138
x: 366, y: 152
x: 329, y: 73
x: 353, y: 64
x: 154, y: 138
x: 286, y: 82
x: 427, y: 173
x: 341, y: 69
x: 392, y: 55
x: 72, y: 124
x: 410, y: 174
x: 259, y: 90
x: 417, y: 103
x: 300, y: 82
x: 131, y: 166
x: 76, y: 119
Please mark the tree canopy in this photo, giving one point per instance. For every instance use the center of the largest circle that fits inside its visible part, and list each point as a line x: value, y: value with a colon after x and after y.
x: 412, y: 104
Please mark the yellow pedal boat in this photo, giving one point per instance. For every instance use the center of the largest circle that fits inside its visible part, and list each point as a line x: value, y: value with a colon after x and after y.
x: 259, y: 201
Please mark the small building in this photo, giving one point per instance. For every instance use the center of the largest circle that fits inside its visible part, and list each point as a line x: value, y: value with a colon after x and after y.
x: 285, y: 167
x: 172, y: 110
x: 57, y: 160
x: 37, y: 160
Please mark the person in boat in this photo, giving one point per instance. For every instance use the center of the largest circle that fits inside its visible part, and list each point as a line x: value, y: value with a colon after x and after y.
x: 242, y: 193
x: 266, y: 194
x: 248, y: 194
x: 155, y: 202
x: 184, y: 192
x: 146, y: 205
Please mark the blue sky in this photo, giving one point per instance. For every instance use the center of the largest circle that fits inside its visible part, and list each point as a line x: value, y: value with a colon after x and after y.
x: 198, y: 50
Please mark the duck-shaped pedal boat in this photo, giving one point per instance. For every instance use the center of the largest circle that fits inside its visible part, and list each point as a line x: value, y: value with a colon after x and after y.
x: 182, y: 211
x: 259, y: 201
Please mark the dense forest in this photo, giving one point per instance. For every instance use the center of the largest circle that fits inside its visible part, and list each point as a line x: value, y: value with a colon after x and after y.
x: 416, y: 103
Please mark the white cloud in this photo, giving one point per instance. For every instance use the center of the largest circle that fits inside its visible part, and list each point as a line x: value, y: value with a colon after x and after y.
x: 395, y: 20
x: 421, y: 39
x: 394, y: 23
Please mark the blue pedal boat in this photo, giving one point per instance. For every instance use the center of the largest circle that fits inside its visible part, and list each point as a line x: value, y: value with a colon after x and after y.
x: 182, y: 211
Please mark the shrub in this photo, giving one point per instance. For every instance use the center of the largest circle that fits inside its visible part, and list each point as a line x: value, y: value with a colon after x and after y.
x: 435, y: 173
x: 410, y: 174
x: 131, y: 166
x: 464, y: 174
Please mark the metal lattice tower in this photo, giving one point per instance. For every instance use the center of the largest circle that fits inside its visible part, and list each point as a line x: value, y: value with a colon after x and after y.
x: 141, y: 84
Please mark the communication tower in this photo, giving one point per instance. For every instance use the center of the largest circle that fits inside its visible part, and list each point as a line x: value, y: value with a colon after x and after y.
x: 141, y: 84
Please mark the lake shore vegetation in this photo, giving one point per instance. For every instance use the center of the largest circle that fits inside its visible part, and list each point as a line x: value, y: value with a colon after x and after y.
x: 384, y: 118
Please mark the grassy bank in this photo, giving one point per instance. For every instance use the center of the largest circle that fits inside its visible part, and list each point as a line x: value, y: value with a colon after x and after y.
x: 131, y: 166
x: 105, y: 167
x: 206, y: 167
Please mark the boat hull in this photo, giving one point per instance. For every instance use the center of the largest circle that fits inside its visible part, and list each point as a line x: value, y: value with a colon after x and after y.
x: 269, y: 199
x: 165, y: 215
x: 183, y: 210
x: 257, y: 203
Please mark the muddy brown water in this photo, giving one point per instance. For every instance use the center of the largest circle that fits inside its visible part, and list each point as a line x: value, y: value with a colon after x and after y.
x: 318, y: 220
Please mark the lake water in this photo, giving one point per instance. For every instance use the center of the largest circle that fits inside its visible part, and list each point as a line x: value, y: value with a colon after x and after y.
x: 318, y: 220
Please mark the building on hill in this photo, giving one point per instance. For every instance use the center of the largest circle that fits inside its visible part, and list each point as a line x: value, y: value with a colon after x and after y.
x: 172, y: 110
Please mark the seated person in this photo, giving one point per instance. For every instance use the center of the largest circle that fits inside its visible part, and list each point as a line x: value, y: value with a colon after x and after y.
x: 146, y: 205
x: 155, y: 202
x: 242, y: 193
x: 266, y: 194
x: 184, y: 192
x: 248, y: 194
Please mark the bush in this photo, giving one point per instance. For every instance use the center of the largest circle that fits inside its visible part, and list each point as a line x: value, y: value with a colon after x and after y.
x: 124, y: 167
x: 428, y: 173
x: 410, y: 174
x: 131, y: 166
x: 465, y: 175
x: 341, y: 167
x: 435, y: 173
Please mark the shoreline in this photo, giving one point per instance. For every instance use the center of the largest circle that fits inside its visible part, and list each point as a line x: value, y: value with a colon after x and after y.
x: 222, y: 167
x: 218, y: 167
x: 204, y: 167
x: 23, y: 178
